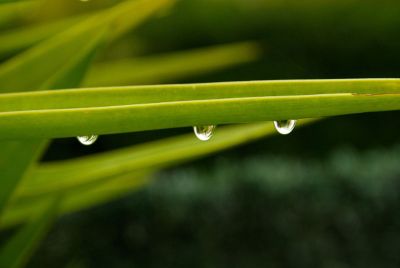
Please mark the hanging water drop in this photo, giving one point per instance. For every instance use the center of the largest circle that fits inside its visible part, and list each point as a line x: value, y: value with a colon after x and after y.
x: 204, y: 133
x: 87, y: 140
x: 284, y: 127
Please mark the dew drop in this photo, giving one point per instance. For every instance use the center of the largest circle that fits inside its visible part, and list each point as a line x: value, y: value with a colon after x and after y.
x: 284, y: 127
x: 87, y: 140
x: 204, y: 133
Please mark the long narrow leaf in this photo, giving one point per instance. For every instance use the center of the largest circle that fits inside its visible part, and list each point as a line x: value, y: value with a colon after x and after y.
x: 82, y: 178
x: 150, y: 156
x: 79, y: 199
x: 14, y: 165
x: 117, y: 96
x: 119, y: 17
x: 11, y: 11
x: 170, y: 67
x: 18, y: 39
x: 125, y: 117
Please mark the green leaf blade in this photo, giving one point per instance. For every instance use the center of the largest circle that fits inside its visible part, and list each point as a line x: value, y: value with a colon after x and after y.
x: 117, y: 96
x: 172, y: 106
x: 14, y: 165
x: 170, y: 67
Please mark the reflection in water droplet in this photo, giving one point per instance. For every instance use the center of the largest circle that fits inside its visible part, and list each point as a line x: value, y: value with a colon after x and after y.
x: 204, y: 133
x: 284, y: 127
x: 87, y: 140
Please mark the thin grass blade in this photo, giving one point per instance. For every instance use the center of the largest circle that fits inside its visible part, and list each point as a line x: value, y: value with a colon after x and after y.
x: 173, y: 106
x: 170, y: 67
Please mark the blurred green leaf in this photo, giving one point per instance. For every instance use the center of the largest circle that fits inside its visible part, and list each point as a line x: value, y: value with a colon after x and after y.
x: 14, y: 164
x: 21, y: 38
x: 12, y: 11
x: 172, y: 66
x: 17, y: 251
x: 16, y: 40
x: 85, y: 174
x: 32, y: 64
x: 149, y: 156
x: 11, y: 1
x: 71, y: 74
x: 80, y: 198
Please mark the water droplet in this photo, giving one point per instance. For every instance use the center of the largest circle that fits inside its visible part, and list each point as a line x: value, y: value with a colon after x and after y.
x: 284, y: 127
x: 204, y: 133
x: 87, y: 140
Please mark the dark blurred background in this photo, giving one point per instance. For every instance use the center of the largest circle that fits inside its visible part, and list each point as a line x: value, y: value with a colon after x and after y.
x: 328, y: 195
